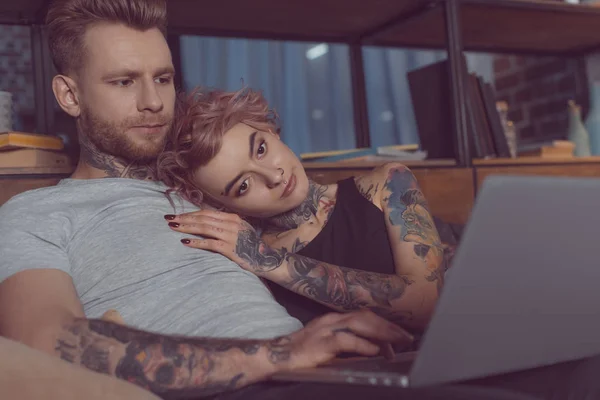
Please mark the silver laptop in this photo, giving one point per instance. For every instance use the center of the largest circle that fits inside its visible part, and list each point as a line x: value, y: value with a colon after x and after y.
x: 523, y: 291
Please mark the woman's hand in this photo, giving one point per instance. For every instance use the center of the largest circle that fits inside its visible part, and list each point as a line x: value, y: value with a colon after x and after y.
x: 229, y: 235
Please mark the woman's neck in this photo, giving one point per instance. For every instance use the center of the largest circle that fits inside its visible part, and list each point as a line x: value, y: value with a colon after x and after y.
x: 302, y: 214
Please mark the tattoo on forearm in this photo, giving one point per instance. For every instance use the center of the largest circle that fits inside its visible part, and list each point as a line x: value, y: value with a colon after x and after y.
x: 256, y: 253
x: 343, y: 288
x: 168, y: 366
x: 294, y: 218
x: 298, y: 245
x: 409, y: 211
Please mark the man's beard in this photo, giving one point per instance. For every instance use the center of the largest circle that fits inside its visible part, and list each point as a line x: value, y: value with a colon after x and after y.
x: 111, y: 138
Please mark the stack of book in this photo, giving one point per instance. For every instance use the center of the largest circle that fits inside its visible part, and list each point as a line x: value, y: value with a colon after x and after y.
x: 404, y: 152
x: 432, y: 103
x: 30, y: 150
x: 552, y: 149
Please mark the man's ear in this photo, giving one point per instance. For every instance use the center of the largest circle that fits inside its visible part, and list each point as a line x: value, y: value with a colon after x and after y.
x: 65, y: 91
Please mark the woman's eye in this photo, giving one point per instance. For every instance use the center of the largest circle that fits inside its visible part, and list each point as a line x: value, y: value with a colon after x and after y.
x: 262, y: 149
x: 243, y: 188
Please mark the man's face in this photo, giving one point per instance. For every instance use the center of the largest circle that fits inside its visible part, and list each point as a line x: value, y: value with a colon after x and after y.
x: 126, y: 91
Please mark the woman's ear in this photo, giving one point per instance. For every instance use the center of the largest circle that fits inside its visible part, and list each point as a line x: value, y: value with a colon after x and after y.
x: 65, y: 91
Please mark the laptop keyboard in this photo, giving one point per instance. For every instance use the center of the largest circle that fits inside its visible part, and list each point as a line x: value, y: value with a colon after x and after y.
x: 401, y: 365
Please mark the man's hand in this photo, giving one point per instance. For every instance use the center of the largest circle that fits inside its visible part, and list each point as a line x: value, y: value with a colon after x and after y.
x: 361, y: 332
x: 229, y: 235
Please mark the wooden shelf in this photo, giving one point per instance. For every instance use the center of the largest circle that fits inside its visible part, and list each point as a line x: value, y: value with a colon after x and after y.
x: 519, y: 26
x: 305, y: 20
x: 37, y: 171
x: 532, y: 26
x: 498, y: 162
x: 361, y: 164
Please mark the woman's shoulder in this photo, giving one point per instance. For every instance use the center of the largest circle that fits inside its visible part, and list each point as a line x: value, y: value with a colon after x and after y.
x: 372, y: 183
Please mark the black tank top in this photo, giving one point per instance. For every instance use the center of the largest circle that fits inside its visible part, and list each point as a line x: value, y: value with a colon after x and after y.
x: 354, y: 237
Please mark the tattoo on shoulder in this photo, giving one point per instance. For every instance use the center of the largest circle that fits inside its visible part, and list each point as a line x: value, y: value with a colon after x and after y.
x: 164, y: 365
x: 367, y: 189
x: 409, y: 211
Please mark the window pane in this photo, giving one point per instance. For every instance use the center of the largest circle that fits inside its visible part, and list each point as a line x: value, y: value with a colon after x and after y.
x: 16, y: 74
x: 307, y: 83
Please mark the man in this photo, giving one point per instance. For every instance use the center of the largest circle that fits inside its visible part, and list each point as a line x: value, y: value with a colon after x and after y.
x: 98, y: 240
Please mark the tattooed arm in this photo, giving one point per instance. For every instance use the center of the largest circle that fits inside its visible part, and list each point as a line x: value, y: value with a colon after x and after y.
x: 408, y: 297
x: 416, y: 244
x: 398, y: 298
x: 40, y: 308
x: 167, y: 365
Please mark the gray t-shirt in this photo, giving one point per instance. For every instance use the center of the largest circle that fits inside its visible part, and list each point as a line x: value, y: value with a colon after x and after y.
x: 111, y: 237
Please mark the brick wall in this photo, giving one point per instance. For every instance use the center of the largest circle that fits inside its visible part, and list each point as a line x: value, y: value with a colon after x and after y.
x: 16, y: 73
x: 537, y: 90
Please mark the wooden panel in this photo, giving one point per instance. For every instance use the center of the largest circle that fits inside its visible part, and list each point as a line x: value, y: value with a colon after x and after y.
x: 572, y: 169
x: 12, y: 187
x: 306, y: 20
x: 535, y: 25
x: 449, y: 190
x: 63, y: 171
x: 370, y: 163
x: 505, y: 25
x: 536, y: 161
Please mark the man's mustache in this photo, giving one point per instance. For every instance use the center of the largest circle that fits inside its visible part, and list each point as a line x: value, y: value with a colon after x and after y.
x: 155, y: 121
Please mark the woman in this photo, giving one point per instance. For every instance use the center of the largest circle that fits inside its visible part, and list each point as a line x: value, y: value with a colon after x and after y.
x: 365, y: 242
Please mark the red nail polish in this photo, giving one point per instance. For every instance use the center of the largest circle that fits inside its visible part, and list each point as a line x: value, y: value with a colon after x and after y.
x: 185, y: 241
x: 169, y: 217
x: 173, y: 224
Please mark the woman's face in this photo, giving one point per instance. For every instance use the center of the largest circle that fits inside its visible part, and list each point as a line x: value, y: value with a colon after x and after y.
x: 254, y: 174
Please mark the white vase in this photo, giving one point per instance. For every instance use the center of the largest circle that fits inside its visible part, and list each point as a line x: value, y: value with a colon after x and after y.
x: 592, y: 121
x: 577, y: 132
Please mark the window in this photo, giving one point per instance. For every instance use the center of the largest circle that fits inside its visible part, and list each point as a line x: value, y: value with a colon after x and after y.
x: 307, y: 83
x: 16, y: 74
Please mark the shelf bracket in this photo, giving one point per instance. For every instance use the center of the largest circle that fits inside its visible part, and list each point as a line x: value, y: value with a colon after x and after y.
x: 457, y: 79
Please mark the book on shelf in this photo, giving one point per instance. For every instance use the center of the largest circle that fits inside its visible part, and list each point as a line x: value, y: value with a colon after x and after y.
x: 33, y: 158
x: 403, y: 151
x: 431, y: 96
x: 550, y: 149
x: 16, y: 140
x: 31, y: 150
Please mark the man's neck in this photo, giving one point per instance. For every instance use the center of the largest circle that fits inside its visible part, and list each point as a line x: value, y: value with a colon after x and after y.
x: 304, y: 213
x: 94, y: 164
